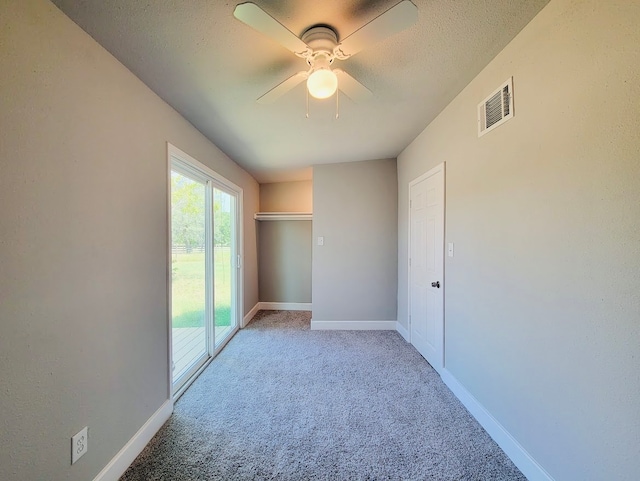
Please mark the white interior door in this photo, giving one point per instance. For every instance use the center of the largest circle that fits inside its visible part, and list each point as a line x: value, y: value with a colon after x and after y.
x: 426, y: 265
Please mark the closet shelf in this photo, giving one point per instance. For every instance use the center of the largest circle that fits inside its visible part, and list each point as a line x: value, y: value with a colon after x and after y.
x: 283, y: 216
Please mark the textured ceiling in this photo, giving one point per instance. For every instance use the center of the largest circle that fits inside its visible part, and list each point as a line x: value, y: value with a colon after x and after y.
x: 211, y: 68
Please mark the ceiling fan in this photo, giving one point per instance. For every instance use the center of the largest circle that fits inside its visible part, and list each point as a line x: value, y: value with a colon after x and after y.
x: 319, y: 46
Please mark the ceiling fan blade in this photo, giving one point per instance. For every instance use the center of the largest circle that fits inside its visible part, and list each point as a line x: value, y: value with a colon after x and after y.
x: 252, y: 15
x: 394, y: 20
x: 282, y: 88
x: 351, y: 87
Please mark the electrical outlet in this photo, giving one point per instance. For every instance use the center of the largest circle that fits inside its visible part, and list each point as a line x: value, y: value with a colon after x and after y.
x: 79, y: 444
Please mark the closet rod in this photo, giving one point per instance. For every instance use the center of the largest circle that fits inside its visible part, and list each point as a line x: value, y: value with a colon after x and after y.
x: 283, y: 216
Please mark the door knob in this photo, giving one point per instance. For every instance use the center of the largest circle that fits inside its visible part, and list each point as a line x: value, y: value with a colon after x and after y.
x: 436, y: 284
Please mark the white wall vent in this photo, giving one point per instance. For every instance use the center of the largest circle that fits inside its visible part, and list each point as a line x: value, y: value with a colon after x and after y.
x: 496, y: 109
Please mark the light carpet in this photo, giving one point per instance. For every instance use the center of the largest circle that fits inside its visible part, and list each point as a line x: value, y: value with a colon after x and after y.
x: 282, y: 402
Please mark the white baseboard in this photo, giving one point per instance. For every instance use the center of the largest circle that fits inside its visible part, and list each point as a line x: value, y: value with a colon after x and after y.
x: 520, y: 457
x: 402, y: 331
x: 353, y: 325
x: 247, y: 319
x: 285, y: 306
x: 121, y: 461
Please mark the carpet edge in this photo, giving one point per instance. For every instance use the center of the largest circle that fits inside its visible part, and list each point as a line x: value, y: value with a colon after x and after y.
x: 121, y: 461
x: 532, y: 470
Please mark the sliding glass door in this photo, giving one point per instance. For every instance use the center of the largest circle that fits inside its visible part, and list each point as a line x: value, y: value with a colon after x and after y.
x: 225, y: 263
x: 189, y: 280
x: 205, y: 265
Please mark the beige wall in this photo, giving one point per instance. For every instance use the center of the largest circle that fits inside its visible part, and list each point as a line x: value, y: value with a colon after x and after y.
x: 355, y: 271
x: 83, y: 237
x: 287, y: 197
x: 542, y: 298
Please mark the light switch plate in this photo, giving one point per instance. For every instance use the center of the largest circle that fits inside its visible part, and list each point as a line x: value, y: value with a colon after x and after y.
x: 320, y: 241
x: 450, y: 250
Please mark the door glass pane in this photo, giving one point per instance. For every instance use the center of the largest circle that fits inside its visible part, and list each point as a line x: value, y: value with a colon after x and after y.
x: 223, y: 258
x: 188, y: 273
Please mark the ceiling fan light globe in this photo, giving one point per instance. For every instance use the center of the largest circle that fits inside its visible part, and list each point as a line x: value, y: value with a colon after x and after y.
x: 322, y: 83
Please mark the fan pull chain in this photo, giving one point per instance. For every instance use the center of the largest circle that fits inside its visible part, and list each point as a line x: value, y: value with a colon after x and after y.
x: 307, y: 103
x: 337, y: 104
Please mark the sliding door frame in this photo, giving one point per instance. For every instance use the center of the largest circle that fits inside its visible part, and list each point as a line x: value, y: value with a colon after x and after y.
x: 187, y: 165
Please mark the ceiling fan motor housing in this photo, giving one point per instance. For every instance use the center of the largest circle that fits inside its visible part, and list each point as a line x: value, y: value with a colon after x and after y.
x: 322, y: 40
